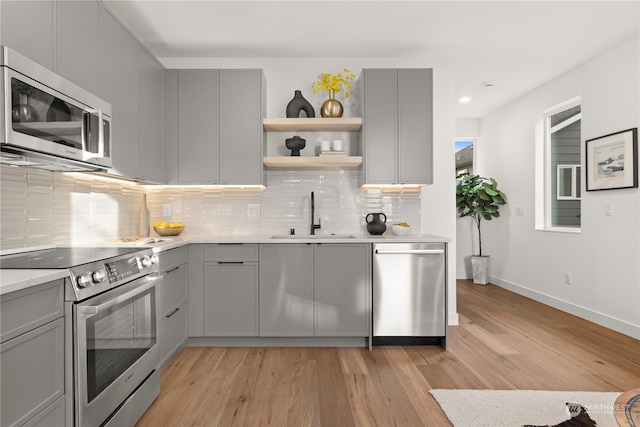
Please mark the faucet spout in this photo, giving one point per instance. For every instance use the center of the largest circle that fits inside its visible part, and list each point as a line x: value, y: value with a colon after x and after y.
x: 314, y: 226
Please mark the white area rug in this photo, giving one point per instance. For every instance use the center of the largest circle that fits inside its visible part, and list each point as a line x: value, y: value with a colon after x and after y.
x: 510, y: 408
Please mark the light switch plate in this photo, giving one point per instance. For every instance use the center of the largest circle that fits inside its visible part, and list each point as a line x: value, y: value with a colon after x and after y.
x: 166, y: 210
x: 608, y: 209
x: 253, y: 209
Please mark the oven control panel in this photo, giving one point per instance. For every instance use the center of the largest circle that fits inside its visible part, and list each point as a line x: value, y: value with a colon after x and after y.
x: 121, y: 269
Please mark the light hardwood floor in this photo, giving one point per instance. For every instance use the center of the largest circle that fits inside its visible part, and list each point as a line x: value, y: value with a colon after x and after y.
x: 504, y: 341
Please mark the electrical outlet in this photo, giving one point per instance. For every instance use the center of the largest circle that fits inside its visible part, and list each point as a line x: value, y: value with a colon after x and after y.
x: 567, y: 278
x: 253, y: 209
x: 166, y: 210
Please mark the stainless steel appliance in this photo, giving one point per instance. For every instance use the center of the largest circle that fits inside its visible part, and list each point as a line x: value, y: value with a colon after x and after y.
x: 409, y: 293
x: 49, y: 123
x: 110, y: 323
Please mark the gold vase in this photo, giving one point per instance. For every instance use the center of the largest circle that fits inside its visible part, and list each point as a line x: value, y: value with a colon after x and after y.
x: 331, y: 107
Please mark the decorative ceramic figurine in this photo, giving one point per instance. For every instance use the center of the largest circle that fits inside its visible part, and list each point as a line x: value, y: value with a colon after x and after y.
x: 375, y: 225
x: 295, y: 144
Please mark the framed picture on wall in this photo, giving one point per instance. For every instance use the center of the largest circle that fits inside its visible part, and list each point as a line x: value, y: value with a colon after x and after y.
x: 612, y: 161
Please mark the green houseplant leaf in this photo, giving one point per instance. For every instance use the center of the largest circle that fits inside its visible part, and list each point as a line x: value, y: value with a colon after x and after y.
x: 478, y: 197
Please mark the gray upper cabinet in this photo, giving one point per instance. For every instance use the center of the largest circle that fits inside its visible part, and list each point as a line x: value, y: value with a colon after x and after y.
x: 119, y: 53
x: 28, y: 28
x: 241, y: 132
x: 220, y: 130
x: 198, y: 127
x: 150, y: 123
x: 397, y: 126
x: 78, y: 40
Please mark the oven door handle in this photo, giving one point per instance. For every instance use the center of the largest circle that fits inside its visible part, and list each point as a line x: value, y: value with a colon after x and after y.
x: 92, y: 310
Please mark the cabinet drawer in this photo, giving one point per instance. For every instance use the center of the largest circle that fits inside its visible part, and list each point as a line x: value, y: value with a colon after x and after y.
x: 27, y: 309
x: 32, y: 367
x: 172, y: 258
x: 52, y: 415
x: 231, y: 253
x: 172, y: 331
x: 173, y: 289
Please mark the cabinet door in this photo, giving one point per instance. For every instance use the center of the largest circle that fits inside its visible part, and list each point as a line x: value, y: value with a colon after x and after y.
x: 231, y: 299
x: 79, y: 42
x: 27, y: 27
x: 150, y: 145
x: 286, y: 290
x: 198, y: 126
x: 119, y: 52
x: 32, y: 377
x: 380, y: 126
x: 342, y: 284
x: 415, y: 126
x: 240, y: 127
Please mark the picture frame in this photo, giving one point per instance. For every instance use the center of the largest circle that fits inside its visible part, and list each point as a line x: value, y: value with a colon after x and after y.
x: 612, y: 161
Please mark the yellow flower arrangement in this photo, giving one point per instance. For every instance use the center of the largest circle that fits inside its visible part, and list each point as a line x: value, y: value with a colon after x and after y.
x: 334, y: 82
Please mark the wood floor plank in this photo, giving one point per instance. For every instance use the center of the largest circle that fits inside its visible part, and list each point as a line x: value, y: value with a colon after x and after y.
x: 504, y: 341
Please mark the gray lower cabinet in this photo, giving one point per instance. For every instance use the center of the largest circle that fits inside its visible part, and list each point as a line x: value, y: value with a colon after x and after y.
x: 28, y: 28
x: 219, y: 126
x: 32, y: 356
x: 172, y: 293
x: 397, y: 126
x: 315, y: 290
x: 342, y: 289
x: 231, y: 290
x: 286, y: 290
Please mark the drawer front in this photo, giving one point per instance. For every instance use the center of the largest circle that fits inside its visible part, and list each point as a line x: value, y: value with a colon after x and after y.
x: 27, y: 309
x: 32, y: 367
x: 172, y: 331
x: 231, y: 253
x: 172, y: 290
x: 172, y: 258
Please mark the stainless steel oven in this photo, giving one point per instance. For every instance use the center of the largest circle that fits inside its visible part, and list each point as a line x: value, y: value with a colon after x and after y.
x: 110, y: 330
x: 114, y: 348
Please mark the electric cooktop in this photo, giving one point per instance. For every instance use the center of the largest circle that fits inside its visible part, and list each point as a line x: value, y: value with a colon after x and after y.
x: 55, y: 258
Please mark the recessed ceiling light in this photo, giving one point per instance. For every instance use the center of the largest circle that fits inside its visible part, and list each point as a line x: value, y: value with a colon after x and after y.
x: 464, y: 100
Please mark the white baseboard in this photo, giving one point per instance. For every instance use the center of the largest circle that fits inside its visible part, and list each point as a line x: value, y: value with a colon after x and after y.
x: 607, y: 321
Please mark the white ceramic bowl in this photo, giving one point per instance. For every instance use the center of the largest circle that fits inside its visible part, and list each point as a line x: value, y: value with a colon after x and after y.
x: 399, y: 230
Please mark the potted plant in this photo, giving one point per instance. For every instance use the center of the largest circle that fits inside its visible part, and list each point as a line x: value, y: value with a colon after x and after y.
x: 478, y: 197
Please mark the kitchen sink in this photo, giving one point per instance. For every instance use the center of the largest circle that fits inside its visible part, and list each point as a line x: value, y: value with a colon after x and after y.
x: 315, y: 236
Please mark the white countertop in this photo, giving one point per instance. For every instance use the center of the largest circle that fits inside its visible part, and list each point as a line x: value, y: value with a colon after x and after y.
x: 15, y: 280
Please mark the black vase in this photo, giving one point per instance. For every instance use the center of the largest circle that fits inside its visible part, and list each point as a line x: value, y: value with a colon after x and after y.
x: 375, y: 225
x: 298, y: 104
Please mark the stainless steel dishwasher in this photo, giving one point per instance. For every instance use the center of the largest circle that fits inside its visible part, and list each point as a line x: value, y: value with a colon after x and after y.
x: 409, y: 293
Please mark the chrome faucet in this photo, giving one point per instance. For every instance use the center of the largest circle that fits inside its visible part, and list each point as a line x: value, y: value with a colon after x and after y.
x: 314, y: 226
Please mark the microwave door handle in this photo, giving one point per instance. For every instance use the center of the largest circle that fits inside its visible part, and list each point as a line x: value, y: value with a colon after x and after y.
x: 100, y: 129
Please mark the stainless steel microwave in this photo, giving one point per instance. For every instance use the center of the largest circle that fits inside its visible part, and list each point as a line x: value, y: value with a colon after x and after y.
x: 49, y: 122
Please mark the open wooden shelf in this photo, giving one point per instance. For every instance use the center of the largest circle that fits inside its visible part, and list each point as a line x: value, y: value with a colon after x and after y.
x: 313, y: 161
x: 348, y: 124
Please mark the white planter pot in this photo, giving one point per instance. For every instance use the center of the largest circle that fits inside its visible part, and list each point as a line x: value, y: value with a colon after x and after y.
x: 480, y: 269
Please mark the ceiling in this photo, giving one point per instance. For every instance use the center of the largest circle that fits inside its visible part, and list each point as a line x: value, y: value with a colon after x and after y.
x: 501, y: 49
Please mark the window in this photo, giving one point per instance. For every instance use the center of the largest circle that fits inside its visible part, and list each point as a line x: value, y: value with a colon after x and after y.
x: 562, y: 166
x: 464, y: 156
x: 568, y: 185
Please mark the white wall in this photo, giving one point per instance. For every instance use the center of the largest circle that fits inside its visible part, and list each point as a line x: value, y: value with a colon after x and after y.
x: 604, y: 257
x: 284, y: 75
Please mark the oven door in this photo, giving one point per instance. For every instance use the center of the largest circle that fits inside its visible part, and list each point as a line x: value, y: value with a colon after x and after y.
x: 114, y: 347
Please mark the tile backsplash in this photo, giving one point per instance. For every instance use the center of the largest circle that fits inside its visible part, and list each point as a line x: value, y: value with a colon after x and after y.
x: 44, y: 208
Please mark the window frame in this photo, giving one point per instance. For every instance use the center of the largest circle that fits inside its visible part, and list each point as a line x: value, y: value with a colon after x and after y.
x: 576, y: 170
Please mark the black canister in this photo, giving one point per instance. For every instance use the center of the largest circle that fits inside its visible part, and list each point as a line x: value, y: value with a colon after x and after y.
x: 375, y: 225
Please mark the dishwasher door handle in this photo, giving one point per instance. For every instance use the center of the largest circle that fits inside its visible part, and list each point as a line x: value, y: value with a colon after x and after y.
x: 409, y: 251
